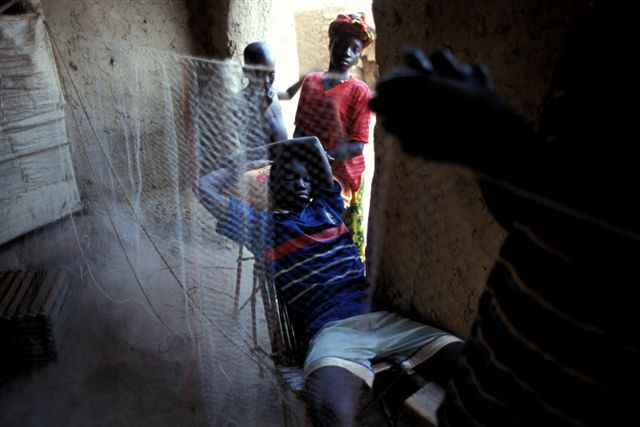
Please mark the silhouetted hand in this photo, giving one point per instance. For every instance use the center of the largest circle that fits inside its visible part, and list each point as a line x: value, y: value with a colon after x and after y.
x: 438, y: 108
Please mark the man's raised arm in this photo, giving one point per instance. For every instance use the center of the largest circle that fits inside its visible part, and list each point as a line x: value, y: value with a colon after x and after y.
x: 311, y: 148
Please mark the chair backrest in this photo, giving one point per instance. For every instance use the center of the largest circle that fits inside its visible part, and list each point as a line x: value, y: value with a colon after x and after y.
x: 286, y: 349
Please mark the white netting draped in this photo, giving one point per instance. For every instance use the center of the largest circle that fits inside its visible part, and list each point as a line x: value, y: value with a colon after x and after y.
x: 160, y: 330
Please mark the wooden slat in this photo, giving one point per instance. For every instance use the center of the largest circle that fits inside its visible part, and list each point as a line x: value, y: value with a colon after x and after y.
x: 38, y: 183
x: 7, y: 278
x: 31, y: 292
x: 20, y: 293
x: 37, y: 208
x: 17, y: 143
x: 59, y: 303
x: 43, y: 290
x: 35, y: 171
x: 26, y: 339
x: 11, y: 179
x: 8, y: 297
x: 57, y: 287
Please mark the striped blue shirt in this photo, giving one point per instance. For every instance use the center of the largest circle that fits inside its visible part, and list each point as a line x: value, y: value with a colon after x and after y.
x: 310, y: 255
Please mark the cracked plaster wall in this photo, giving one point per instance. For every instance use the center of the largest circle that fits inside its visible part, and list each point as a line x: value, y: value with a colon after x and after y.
x: 99, y: 40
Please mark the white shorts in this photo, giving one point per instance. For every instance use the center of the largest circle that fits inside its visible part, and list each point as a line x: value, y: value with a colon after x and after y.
x: 357, y: 342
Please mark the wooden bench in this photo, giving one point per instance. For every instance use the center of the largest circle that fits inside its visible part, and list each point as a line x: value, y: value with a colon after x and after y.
x: 33, y: 310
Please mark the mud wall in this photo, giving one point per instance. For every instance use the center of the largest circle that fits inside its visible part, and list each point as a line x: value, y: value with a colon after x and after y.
x: 271, y: 21
x: 432, y: 240
x: 106, y: 51
x: 97, y: 44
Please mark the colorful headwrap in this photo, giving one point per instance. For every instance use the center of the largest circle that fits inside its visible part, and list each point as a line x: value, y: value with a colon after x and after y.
x: 352, y: 24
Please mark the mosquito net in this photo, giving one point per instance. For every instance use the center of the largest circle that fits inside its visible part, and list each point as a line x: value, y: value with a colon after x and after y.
x: 153, y: 318
x: 162, y: 323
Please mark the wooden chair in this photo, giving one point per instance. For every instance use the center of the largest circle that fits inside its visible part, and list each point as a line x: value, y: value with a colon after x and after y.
x: 288, y: 356
x: 286, y: 353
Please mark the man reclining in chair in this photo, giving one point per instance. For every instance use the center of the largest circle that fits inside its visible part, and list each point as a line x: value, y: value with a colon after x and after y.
x: 319, y: 274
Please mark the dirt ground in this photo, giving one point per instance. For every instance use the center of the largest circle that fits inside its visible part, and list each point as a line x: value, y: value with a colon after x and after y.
x: 159, y: 337
x: 140, y: 348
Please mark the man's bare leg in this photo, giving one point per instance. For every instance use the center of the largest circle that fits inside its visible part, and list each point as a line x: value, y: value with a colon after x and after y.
x: 333, y: 395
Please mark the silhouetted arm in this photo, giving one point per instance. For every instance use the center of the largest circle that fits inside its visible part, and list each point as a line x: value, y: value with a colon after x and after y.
x: 294, y: 88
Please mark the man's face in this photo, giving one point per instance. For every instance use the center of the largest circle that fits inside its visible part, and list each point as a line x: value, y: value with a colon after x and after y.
x: 345, y: 50
x: 292, y: 186
x: 261, y: 77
